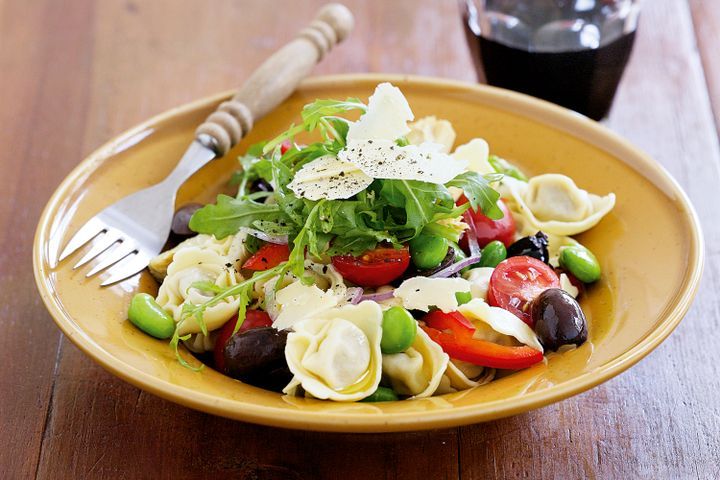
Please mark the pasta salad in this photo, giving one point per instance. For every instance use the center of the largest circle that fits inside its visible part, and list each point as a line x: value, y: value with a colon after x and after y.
x: 377, y: 263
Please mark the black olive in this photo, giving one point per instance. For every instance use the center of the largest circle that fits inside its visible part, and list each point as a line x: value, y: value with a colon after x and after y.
x: 558, y: 319
x: 257, y: 357
x: 181, y: 220
x: 260, y: 185
x: 535, y: 246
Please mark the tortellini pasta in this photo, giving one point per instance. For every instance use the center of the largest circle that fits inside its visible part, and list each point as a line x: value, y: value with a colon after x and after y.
x: 191, y: 265
x: 418, y: 370
x: 232, y: 247
x: 201, y: 343
x: 501, y: 323
x: 475, y: 153
x: 479, y: 279
x: 336, y: 354
x: 297, y: 302
x: 462, y: 376
x: 554, y: 204
x: 288, y: 300
x: 434, y: 130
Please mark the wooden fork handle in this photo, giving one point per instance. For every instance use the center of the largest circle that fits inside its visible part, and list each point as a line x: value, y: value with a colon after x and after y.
x: 275, y: 79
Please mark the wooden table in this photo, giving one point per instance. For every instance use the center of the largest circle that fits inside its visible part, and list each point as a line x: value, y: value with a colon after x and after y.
x: 75, y: 73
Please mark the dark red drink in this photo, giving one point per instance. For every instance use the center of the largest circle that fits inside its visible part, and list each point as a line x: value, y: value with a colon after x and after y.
x: 582, y: 80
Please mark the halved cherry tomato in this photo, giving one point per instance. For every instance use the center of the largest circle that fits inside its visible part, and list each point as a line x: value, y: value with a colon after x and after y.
x: 285, y: 146
x: 517, y: 281
x: 253, y: 319
x: 487, y: 229
x: 268, y: 256
x: 454, y: 333
x: 373, y: 268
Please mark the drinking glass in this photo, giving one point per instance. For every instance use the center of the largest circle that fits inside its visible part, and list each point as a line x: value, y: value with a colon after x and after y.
x: 570, y: 52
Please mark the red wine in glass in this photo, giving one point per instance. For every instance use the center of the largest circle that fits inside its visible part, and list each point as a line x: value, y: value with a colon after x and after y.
x: 554, y: 49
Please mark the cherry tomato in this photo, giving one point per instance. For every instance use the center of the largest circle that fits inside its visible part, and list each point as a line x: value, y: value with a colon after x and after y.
x: 268, y: 256
x: 487, y: 229
x: 285, y: 146
x: 373, y: 268
x: 253, y: 319
x: 454, y: 333
x: 517, y: 281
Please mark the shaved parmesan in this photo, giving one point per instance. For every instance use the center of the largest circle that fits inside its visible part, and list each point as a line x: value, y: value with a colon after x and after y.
x: 297, y: 302
x: 421, y: 293
x: 386, y: 117
x: 329, y: 177
x: 475, y: 153
x: 384, y: 159
x: 501, y: 321
x: 567, y: 285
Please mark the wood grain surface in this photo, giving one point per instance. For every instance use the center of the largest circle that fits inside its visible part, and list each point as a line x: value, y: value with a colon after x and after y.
x: 77, y: 72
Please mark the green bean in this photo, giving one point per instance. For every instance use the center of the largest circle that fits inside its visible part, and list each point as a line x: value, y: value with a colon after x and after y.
x: 492, y: 254
x: 428, y: 251
x: 581, y: 262
x: 398, y: 330
x: 382, y: 394
x: 148, y: 316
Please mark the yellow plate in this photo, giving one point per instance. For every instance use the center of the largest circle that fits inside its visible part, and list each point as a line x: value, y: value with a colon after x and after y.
x: 650, y: 248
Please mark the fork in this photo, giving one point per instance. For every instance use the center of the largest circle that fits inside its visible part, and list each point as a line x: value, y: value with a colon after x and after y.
x: 129, y: 233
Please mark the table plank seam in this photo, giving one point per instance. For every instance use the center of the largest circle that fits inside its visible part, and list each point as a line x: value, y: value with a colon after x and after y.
x: 703, y: 70
x: 49, y: 411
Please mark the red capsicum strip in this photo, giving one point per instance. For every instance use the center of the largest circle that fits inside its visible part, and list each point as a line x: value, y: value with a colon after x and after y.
x: 268, y: 256
x: 454, y: 333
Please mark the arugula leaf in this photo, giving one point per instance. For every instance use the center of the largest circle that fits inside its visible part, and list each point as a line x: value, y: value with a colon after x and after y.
x: 478, y: 191
x: 174, y: 344
x: 312, y: 114
x: 244, y: 297
x: 229, y: 214
x: 296, y: 158
x: 501, y: 165
x: 296, y: 260
x: 416, y: 205
x: 252, y: 244
x: 206, y: 286
x: 281, y: 227
x: 352, y: 245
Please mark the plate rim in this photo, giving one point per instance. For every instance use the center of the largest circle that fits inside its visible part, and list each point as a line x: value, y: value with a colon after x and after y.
x: 565, y: 120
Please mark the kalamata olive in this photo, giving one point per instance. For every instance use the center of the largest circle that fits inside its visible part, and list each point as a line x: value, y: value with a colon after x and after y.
x: 535, y: 246
x: 257, y: 357
x: 182, y: 219
x: 558, y: 319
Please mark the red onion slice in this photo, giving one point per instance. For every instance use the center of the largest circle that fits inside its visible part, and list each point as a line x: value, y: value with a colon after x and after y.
x: 471, y: 234
x: 456, y: 267
x: 377, y: 297
x: 354, y: 294
x: 265, y: 237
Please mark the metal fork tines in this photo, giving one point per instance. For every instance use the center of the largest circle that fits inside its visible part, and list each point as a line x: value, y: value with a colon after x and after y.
x: 110, y: 246
x: 125, y: 236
